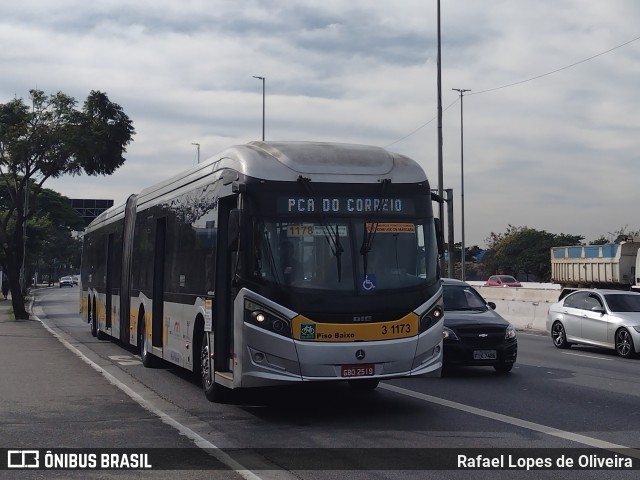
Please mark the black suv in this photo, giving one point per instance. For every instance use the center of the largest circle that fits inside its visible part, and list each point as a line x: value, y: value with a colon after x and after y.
x: 474, y: 334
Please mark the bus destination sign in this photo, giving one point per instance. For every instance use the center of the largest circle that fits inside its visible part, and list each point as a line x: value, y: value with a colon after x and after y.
x: 345, y: 205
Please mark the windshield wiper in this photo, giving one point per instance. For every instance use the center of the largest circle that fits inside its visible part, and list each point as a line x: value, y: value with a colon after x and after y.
x: 334, y: 243
x: 367, y: 237
x: 337, y: 250
x: 272, y: 261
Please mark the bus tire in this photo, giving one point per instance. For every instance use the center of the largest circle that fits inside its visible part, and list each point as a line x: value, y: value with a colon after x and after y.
x: 87, y: 310
x: 213, y: 391
x: 99, y: 334
x: 198, y: 333
x: 92, y: 321
x: 148, y: 359
x: 366, y: 384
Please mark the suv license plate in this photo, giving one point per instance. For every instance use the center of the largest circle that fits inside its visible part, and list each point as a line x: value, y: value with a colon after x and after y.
x: 484, y: 355
x: 362, y: 370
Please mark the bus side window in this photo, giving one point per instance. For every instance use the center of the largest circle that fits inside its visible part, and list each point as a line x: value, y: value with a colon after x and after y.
x: 234, y: 230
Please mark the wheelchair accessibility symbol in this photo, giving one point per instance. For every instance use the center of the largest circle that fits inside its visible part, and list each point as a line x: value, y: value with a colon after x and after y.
x: 369, y: 282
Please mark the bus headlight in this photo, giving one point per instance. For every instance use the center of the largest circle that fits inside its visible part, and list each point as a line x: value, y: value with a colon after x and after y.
x: 261, y: 316
x: 430, y: 318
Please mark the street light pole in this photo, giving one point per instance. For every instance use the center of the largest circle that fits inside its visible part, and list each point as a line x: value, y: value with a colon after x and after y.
x: 440, y: 169
x: 263, y: 80
x: 198, y: 148
x: 462, y: 266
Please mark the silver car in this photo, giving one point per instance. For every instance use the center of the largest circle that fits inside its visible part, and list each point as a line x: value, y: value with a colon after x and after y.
x: 602, y: 318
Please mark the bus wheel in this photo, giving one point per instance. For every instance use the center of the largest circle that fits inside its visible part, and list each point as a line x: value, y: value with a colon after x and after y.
x: 364, y: 384
x: 148, y: 360
x: 100, y: 334
x: 92, y: 322
x: 94, y: 319
x: 214, y: 392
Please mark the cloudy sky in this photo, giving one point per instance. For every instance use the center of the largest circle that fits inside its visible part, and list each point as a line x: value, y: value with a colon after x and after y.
x: 556, y: 152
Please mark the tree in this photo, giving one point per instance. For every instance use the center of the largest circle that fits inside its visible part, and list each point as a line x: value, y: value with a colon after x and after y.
x: 50, y: 237
x: 616, y: 236
x: 601, y: 240
x: 524, y: 250
x: 51, y: 139
x: 48, y: 232
x: 470, y: 257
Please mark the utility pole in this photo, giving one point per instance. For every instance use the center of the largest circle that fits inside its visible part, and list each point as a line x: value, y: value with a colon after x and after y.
x: 23, y: 280
x: 462, y: 266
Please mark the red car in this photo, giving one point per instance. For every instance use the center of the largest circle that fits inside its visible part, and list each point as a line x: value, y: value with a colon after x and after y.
x: 502, y: 281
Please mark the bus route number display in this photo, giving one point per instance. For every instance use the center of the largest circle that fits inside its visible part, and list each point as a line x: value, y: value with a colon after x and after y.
x: 311, y: 230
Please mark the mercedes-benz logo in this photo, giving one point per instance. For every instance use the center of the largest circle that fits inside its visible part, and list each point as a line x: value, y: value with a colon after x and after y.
x: 360, y: 354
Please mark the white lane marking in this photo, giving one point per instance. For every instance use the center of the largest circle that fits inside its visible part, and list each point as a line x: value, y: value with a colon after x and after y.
x: 574, y: 437
x: 587, y: 356
x: 125, y: 360
x: 200, y: 441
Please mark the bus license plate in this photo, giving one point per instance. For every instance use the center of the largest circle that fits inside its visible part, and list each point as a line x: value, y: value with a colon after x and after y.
x: 484, y: 355
x: 362, y: 370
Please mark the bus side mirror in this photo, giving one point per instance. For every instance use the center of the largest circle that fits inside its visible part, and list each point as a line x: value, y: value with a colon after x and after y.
x: 233, y: 235
x: 439, y: 236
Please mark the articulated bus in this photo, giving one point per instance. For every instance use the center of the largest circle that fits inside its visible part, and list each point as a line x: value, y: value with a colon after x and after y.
x: 273, y: 263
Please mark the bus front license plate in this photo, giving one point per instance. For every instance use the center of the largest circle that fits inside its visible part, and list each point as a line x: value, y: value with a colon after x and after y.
x: 363, y: 370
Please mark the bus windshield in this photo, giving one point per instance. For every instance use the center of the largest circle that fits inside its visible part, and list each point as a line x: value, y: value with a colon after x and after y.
x: 344, y: 254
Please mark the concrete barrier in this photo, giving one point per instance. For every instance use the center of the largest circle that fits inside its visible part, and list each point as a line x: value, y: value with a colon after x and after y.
x: 524, y: 315
x: 527, y: 307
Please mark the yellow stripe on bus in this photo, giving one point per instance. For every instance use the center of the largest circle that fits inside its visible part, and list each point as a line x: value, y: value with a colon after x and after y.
x: 307, y: 330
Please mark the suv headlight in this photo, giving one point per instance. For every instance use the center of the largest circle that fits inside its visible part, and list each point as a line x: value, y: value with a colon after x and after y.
x: 510, y: 333
x: 449, y: 334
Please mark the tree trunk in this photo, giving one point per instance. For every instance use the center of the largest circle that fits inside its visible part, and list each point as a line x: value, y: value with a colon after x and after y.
x: 17, y: 299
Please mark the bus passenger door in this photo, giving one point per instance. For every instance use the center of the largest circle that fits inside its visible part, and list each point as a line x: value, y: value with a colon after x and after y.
x: 109, y: 281
x: 223, y: 303
x: 125, y: 272
x: 157, y: 316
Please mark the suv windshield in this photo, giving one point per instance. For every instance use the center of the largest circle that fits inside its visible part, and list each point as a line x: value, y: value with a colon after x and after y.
x: 462, y: 297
